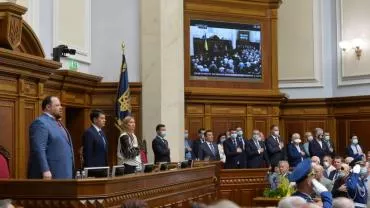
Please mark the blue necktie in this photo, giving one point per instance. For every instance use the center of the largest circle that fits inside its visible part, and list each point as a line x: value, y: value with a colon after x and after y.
x: 102, y: 137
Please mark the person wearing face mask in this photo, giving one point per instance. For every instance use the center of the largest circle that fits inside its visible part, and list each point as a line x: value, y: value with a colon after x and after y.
x: 340, y: 188
x: 233, y: 151
x: 188, y: 147
x: 160, y: 145
x: 220, y: 144
x: 240, y: 138
x: 329, y: 143
x: 256, y: 150
x: 356, y: 187
x: 328, y: 167
x: 307, y: 139
x: 354, y: 149
x: 318, y: 147
x: 304, y: 177
x: 198, y: 142
x: 275, y: 146
x: 296, y: 153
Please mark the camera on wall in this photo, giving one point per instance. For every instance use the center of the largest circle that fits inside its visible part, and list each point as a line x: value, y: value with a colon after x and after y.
x: 62, y: 51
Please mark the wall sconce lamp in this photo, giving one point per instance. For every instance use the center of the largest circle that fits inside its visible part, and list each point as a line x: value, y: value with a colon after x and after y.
x: 356, y: 45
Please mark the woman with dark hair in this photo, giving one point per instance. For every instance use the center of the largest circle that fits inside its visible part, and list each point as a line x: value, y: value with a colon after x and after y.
x: 4, y: 163
x: 220, y: 140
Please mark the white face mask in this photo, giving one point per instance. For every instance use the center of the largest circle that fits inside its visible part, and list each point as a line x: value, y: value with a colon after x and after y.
x: 186, y: 135
x: 234, y: 136
x: 255, y: 136
x: 310, y: 138
x: 354, y: 141
x: 162, y: 134
x: 276, y: 133
x: 240, y: 133
x: 297, y: 141
x: 327, y: 138
x: 326, y: 164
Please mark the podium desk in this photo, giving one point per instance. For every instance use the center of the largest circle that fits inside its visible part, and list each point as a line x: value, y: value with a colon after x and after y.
x: 171, y: 188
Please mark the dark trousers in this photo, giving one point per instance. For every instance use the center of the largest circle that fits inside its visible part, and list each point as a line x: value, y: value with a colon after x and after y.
x: 129, y: 169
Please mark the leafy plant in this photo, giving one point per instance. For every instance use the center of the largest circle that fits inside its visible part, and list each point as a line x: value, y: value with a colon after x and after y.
x: 284, y: 189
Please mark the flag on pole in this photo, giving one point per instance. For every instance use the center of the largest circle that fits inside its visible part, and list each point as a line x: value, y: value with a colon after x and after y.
x: 123, y: 101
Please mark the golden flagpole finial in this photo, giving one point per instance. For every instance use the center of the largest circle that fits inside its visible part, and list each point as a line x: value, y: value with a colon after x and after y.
x: 123, y: 47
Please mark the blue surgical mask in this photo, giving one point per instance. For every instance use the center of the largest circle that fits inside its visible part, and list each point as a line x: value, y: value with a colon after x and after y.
x: 363, y: 172
x: 341, y: 175
x: 234, y: 136
x: 240, y: 133
x: 163, y: 134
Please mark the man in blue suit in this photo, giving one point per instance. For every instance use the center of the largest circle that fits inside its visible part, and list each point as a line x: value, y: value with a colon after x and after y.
x: 95, y: 143
x: 234, y: 152
x: 51, y: 150
x: 209, y: 150
x: 296, y: 152
x: 256, y: 150
x: 318, y: 147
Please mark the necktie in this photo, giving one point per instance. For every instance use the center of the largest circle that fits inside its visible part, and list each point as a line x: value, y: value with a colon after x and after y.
x: 258, y: 145
x: 357, y: 149
x: 65, y: 134
x: 102, y: 137
x: 234, y: 142
x: 212, y: 149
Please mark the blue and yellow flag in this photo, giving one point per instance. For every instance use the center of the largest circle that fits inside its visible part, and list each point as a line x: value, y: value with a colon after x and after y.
x: 123, y: 101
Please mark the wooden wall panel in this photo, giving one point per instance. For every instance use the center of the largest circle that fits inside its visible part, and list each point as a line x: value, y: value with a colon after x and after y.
x: 342, y: 136
x: 312, y: 124
x: 29, y: 116
x: 293, y: 126
x: 193, y: 124
x: 261, y: 124
x: 361, y: 129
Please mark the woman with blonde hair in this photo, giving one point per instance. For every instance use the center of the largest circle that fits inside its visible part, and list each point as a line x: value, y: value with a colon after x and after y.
x: 128, y: 150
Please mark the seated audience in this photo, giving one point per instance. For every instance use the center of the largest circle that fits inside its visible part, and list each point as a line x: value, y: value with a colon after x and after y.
x: 328, y: 167
x: 296, y: 152
x: 224, y: 204
x: 337, y: 164
x: 343, y: 202
x: 339, y: 188
x: 283, y: 172
x: 315, y: 160
x: 320, y: 177
x: 291, y: 202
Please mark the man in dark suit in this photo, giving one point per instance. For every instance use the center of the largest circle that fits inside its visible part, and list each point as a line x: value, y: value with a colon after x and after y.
x: 160, y: 145
x: 198, y: 142
x: 318, y: 147
x: 295, y: 151
x: 95, y: 143
x: 275, y: 146
x: 51, y: 151
x: 338, y: 160
x: 256, y: 150
x: 329, y: 142
x: 208, y: 150
x: 233, y: 152
x: 240, y: 138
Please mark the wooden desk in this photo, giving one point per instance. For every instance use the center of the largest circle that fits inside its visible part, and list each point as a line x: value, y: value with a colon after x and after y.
x: 173, y: 188
x: 242, y: 185
x: 265, y: 202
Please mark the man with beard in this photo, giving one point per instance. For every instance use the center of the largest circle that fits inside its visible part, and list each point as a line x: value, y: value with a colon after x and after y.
x: 51, y: 150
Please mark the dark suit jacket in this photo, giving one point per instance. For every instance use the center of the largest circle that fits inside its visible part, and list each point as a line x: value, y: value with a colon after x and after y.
x: 255, y: 159
x: 161, y: 150
x: 95, y: 151
x: 244, y: 157
x: 232, y: 156
x: 316, y: 150
x: 196, y: 146
x: 274, y: 152
x: 50, y: 150
x: 206, y: 152
x: 332, y: 174
x: 294, y: 157
x: 350, y: 152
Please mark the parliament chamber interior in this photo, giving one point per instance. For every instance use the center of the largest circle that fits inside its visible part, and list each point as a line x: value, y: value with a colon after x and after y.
x: 184, y: 103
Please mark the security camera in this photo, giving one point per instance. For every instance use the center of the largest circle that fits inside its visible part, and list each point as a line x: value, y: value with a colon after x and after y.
x: 62, y: 51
